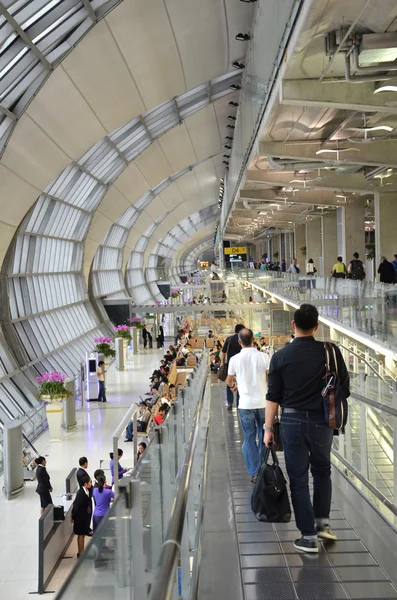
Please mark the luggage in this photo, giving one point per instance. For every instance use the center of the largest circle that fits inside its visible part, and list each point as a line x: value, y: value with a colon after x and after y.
x: 269, y: 500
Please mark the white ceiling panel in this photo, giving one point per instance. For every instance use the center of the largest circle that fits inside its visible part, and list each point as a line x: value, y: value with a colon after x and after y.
x: 156, y: 208
x: 6, y: 234
x: 98, y: 69
x: 153, y: 164
x: 113, y: 203
x: 18, y: 196
x: 177, y: 147
x: 171, y: 196
x: 99, y: 227
x: 61, y: 111
x: 202, y: 37
x: 204, y: 132
x: 143, y: 222
x: 188, y: 186
x: 146, y: 39
x: 33, y: 155
x: 131, y: 183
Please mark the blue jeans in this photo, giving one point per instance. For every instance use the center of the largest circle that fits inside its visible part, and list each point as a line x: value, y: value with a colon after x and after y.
x: 230, y: 396
x: 101, y: 393
x: 252, y: 421
x: 307, y: 443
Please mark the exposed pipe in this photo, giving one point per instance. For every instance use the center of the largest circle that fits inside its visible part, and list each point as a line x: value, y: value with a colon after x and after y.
x: 391, y: 66
x: 287, y: 165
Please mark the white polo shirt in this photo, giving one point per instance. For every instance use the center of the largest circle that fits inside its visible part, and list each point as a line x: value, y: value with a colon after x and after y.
x: 249, y: 367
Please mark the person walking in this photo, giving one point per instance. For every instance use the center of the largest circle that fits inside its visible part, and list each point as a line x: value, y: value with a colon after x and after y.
x: 339, y: 269
x: 161, y: 336
x: 103, y: 496
x: 100, y: 373
x: 296, y: 380
x: 44, y: 487
x: 81, y: 513
x: 386, y: 271
x: 231, y: 347
x: 356, y: 268
x: 294, y: 268
x: 147, y: 337
x: 250, y: 369
x: 394, y: 262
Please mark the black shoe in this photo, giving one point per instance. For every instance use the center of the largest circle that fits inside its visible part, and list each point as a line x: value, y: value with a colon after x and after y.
x: 90, y: 533
x: 127, y: 440
x: 325, y: 533
x: 104, y: 400
x: 303, y: 545
x: 230, y: 407
x: 78, y: 555
x: 253, y: 478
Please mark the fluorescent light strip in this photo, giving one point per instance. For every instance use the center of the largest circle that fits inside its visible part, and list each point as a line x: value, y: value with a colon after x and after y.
x: 386, y: 88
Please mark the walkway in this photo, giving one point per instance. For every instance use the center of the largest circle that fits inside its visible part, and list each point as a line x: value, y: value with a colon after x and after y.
x: 359, y: 565
x: 92, y: 438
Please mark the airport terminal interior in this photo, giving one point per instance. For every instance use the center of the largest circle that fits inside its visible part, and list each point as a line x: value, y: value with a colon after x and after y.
x: 170, y: 169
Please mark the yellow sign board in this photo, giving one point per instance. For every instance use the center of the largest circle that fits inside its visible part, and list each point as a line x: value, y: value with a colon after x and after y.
x: 236, y: 250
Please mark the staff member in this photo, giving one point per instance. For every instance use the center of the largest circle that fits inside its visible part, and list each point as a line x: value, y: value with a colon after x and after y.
x: 81, y: 513
x: 43, y: 483
x: 100, y: 373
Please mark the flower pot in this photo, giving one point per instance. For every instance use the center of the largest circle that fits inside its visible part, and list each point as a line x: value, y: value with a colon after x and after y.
x: 54, y: 410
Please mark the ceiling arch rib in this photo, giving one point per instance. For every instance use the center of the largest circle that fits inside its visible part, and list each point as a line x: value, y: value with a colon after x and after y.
x: 142, y: 280
x: 46, y: 289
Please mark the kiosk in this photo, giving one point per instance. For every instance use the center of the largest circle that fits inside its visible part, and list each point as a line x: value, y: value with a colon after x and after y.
x: 91, y: 382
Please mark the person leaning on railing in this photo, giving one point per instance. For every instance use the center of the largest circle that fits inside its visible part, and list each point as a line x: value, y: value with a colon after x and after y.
x: 339, y: 269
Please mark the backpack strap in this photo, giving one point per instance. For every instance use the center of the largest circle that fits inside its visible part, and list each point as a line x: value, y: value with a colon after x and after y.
x: 331, y: 361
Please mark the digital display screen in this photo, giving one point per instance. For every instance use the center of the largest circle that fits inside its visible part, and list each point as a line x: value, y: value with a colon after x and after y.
x: 92, y: 365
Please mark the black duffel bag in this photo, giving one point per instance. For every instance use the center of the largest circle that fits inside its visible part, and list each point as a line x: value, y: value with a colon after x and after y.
x: 269, y: 500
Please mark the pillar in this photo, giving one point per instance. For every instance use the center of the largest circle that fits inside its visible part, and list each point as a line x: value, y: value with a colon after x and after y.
x: 351, y: 229
x: 300, y: 242
x: 313, y: 242
x: 329, y: 243
x: 385, y: 225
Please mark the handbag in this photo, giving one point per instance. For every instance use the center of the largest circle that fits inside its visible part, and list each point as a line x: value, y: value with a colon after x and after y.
x: 269, y: 500
x: 222, y: 371
x: 59, y: 513
x: 334, y: 399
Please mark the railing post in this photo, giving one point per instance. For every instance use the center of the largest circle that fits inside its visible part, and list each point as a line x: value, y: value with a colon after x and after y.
x: 394, y: 397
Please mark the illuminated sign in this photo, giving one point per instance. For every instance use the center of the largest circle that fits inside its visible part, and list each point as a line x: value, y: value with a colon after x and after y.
x: 236, y: 250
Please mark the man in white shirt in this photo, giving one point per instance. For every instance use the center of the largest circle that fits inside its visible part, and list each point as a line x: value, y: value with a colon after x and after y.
x: 250, y: 369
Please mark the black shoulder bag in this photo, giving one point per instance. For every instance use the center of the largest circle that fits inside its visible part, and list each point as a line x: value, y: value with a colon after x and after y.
x: 269, y: 500
x: 222, y: 371
x: 334, y: 398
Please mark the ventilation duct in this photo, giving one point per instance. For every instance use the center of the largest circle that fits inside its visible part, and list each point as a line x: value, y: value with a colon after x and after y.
x: 287, y: 165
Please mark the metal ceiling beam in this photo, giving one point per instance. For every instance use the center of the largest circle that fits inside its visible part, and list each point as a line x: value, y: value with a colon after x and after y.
x: 90, y: 10
x: 306, y: 92
x: 25, y: 37
x: 304, y: 196
x: 375, y: 154
x: 341, y: 183
x: 7, y: 112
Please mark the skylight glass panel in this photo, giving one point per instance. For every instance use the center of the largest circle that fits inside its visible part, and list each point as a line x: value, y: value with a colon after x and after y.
x: 144, y: 200
x: 128, y: 217
x: 161, y: 118
x: 161, y: 186
x: 193, y: 100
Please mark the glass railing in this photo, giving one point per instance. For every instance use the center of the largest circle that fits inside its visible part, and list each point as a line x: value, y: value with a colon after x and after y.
x: 150, y: 538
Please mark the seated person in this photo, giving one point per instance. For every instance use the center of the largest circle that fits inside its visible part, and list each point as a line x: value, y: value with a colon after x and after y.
x: 142, y: 422
x: 141, y: 450
x: 159, y: 418
x: 210, y: 334
x: 215, y: 364
x: 172, y: 391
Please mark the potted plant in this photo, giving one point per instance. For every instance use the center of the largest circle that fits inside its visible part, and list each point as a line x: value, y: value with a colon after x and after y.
x: 52, y: 391
x: 102, y: 345
x: 175, y: 294
x: 136, y: 322
x: 122, y: 331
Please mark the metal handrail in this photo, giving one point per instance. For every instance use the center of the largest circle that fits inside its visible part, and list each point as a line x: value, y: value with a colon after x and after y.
x: 363, y: 360
x: 163, y: 585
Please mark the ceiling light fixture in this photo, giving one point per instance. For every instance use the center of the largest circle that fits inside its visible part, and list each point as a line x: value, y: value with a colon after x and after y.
x: 243, y: 37
x: 238, y: 65
x: 365, y: 129
x: 236, y: 87
x: 235, y: 104
x: 230, y: 127
x: 227, y: 147
x: 231, y: 118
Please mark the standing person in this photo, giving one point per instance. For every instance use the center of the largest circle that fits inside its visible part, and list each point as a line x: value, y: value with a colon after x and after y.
x: 386, y: 271
x: 356, y: 268
x: 339, y: 269
x: 394, y: 263
x: 103, y: 496
x: 294, y: 268
x: 81, y: 513
x: 82, y: 470
x: 100, y: 373
x: 231, y: 347
x: 283, y: 265
x: 121, y: 471
x: 43, y: 488
x: 296, y: 379
x: 250, y: 369
x: 161, y: 336
x: 310, y: 268
x: 147, y: 337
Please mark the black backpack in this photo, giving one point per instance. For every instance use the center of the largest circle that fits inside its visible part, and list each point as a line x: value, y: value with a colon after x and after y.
x: 269, y: 500
x: 357, y: 269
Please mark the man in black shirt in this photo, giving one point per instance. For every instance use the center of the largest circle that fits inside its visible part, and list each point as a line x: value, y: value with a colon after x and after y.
x: 295, y: 383
x: 231, y: 347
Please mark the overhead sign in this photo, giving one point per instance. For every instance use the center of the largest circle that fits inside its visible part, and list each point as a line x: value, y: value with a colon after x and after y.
x: 236, y: 250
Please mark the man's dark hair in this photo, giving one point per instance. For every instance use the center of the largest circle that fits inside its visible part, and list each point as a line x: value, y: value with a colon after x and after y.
x: 39, y: 460
x: 83, y: 460
x: 340, y: 258
x: 238, y: 328
x: 306, y: 317
x: 356, y: 255
x: 85, y: 479
x: 246, y: 336
x: 100, y: 363
x: 162, y: 408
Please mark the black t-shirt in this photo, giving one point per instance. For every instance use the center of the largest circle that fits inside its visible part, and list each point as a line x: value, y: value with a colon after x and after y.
x: 231, y: 346
x: 296, y: 375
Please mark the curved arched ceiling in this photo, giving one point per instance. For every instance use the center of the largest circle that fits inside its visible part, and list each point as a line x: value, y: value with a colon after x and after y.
x: 139, y: 56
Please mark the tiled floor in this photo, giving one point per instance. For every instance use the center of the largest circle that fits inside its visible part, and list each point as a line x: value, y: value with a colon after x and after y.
x: 93, y: 438
x: 271, y: 568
